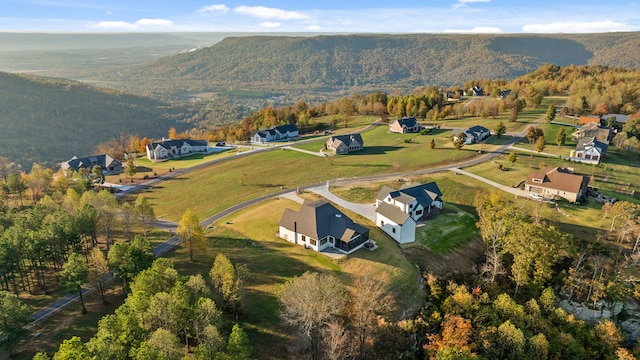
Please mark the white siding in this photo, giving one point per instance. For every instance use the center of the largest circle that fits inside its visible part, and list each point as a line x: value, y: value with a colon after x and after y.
x: 403, y: 234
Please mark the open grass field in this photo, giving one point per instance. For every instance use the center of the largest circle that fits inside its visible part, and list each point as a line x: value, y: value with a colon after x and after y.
x: 219, y: 186
x: 449, y: 230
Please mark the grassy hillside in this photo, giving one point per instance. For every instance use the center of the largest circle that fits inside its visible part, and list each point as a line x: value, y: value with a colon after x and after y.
x: 360, y: 62
x: 48, y: 120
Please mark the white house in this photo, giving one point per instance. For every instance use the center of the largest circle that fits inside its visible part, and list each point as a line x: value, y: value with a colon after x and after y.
x: 399, y: 211
x: 589, y: 150
x: 166, y: 149
x: 320, y: 226
x: 474, y: 134
x: 275, y: 133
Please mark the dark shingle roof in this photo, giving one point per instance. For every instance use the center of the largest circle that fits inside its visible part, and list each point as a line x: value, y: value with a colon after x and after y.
x: 318, y: 219
x: 409, y: 122
x: 425, y: 194
x: 587, y: 142
x: 348, y: 138
x: 168, y: 144
x: 89, y: 162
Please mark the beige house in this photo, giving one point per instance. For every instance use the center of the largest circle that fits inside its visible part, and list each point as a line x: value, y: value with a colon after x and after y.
x: 405, y: 125
x: 344, y: 144
x: 557, y: 182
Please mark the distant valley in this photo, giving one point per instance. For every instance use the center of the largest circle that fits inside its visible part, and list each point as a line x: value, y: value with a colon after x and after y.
x: 222, y: 78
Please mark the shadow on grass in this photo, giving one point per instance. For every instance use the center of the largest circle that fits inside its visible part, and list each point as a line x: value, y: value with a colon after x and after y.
x: 375, y: 150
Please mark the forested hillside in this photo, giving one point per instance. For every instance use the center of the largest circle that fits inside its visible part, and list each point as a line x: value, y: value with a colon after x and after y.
x: 354, y: 63
x: 48, y: 120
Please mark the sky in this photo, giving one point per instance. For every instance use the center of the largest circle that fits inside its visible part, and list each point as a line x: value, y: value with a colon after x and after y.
x: 342, y: 16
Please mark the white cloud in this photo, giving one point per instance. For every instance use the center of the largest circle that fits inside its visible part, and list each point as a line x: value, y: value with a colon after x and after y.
x: 270, y: 13
x: 577, y: 27
x: 269, y: 25
x: 138, y: 25
x: 463, y: 3
x: 476, y: 30
x: 216, y: 8
x: 154, y: 22
x: 313, y: 28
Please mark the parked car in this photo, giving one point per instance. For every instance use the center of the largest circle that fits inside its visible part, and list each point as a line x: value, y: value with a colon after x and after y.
x: 535, y: 196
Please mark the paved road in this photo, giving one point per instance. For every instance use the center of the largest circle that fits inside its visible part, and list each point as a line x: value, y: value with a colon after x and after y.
x: 319, y: 187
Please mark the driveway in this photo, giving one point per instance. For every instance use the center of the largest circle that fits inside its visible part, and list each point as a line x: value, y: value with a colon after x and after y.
x: 366, y: 210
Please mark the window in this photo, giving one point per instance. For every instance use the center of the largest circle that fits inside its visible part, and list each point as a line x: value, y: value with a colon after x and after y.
x: 323, y: 241
x: 381, y: 222
x: 313, y: 242
x: 419, y: 212
x: 304, y: 238
x: 393, y: 230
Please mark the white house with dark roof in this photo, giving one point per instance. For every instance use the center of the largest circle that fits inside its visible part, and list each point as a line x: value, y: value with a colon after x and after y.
x: 344, y: 144
x: 474, y: 134
x: 275, y: 133
x: 589, y: 150
x: 167, y: 149
x: 405, y: 125
x: 109, y: 165
x: 318, y: 225
x: 398, y: 212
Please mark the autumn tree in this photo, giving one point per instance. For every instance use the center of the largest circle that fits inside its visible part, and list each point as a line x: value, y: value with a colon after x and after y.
x: 229, y: 281
x: 501, y: 129
x: 98, y: 268
x: 561, y: 137
x: 458, y: 141
x: 455, y: 333
x: 74, y: 274
x: 540, y: 144
x: 190, y: 232
x: 130, y: 168
x: 146, y: 215
x: 369, y: 299
x: 513, y: 157
x: 308, y: 303
x: 551, y: 113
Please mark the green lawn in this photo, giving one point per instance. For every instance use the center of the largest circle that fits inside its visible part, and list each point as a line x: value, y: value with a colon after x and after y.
x: 449, y: 230
x: 220, y: 186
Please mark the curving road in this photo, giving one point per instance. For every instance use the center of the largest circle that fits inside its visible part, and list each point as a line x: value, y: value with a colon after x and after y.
x: 174, y: 241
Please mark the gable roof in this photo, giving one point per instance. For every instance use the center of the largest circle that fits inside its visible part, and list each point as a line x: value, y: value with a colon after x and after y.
x: 319, y: 219
x: 104, y: 160
x: 285, y: 128
x: 392, y: 213
x: 346, y: 139
x: 168, y: 144
x: 589, y: 142
x: 558, y: 179
x: 409, y: 122
x: 424, y: 194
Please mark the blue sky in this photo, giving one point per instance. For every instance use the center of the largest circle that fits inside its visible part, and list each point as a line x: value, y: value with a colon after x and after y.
x: 352, y: 16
